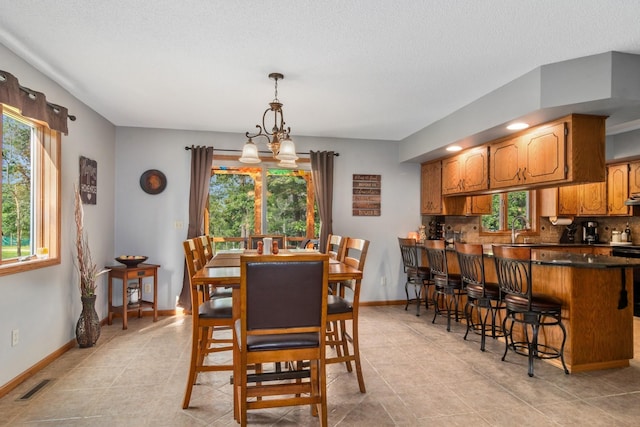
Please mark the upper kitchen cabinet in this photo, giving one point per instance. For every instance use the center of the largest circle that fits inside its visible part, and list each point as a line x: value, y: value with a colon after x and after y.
x: 466, y: 172
x: 617, y: 189
x: 570, y: 149
x: 634, y: 177
x: 431, y: 188
x: 433, y: 203
x: 592, y: 199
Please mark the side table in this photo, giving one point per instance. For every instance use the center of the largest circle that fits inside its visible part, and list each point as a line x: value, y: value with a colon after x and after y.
x: 127, y: 274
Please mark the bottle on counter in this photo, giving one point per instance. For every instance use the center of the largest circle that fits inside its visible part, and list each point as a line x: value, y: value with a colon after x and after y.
x: 627, y: 231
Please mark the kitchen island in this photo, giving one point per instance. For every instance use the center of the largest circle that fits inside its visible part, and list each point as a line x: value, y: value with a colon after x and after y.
x: 597, y: 304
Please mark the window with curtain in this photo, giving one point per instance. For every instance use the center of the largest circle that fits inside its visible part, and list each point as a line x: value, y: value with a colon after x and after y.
x: 30, y: 193
x: 245, y: 201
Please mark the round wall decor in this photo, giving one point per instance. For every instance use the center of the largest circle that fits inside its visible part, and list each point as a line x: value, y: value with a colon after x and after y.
x: 153, y: 181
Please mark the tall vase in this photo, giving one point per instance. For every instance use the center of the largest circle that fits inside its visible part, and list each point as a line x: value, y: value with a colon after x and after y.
x: 88, y: 326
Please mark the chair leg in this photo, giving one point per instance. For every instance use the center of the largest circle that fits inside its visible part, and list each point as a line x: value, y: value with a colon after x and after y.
x: 344, y: 344
x: 564, y: 339
x: 507, y: 335
x: 468, y: 314
x: 356, y: 353
x: 406, y: 291
x: 418, y: 290
x: 191, y: 378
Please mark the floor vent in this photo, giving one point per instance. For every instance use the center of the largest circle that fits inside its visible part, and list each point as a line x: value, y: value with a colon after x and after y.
x: 28, y: 395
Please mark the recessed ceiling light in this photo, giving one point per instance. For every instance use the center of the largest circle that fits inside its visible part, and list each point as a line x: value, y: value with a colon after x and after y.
x: 518, y: 126
x: 454, y: 148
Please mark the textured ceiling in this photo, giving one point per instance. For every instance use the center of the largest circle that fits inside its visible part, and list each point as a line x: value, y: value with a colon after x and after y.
x: 375, y: 69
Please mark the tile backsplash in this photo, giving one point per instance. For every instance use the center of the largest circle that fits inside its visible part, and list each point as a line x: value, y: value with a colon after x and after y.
x: 549, y: 233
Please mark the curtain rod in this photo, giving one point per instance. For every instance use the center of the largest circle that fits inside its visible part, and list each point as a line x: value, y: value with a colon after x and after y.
x: 54, y: 106
x: 240, y: 151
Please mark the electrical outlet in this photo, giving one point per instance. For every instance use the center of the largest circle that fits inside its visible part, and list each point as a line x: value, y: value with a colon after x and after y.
x: 383, y: 280
x: 147, y: 288
x: 15, y: 337
x: 178, y: 225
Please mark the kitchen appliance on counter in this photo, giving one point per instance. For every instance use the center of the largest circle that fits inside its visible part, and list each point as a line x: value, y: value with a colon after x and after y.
x: 631, y: 252
x: 590, y: 232
x: 569, y: 234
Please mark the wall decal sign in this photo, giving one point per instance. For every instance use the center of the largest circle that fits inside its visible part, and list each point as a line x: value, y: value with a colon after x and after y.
x: 366, y: 194
x: 88, y: 181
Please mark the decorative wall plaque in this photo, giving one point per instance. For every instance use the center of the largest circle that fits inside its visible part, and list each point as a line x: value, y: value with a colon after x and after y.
x: 366, y: 194
x: 88, y: 181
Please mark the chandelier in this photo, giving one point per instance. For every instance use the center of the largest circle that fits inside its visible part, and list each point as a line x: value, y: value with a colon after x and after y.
x: 278, y: 140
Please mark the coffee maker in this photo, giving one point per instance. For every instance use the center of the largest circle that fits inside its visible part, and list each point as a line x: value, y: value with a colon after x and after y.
x: 590, y: 232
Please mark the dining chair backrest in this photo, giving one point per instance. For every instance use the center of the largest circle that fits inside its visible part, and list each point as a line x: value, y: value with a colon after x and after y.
x: 355, y: 252
x: 284, y: 292
x: 513, y: 268
x: 193, y: 264
x: 253, y: 240
x: 205, y: 247
x: 409, y: 251
x: 471, y: 262
x: 336, y: 246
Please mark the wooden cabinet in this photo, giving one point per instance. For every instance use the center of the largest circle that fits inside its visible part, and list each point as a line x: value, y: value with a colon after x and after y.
x: 592, y: 199
x: 433, y: 203
x: 570, y: 149
x: 431, y: 188
x: 617, y: 189
x: 634, y: 177
x: 466, y: 172
x: 558, y: 201
x: 480, y: 205
x: 580, y: 200
x: 535, y: 157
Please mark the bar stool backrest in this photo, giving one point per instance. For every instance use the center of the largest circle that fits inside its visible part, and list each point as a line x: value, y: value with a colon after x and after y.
x: 409, y: 251
x: 437, y: 261
x: 471, y: 262
x: 513, y: 267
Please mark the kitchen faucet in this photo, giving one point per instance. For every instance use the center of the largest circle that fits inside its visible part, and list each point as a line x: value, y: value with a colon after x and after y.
x: 523, y: 222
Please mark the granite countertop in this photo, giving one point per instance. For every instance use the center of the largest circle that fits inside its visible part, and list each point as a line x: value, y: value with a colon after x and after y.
x: 550, y: 257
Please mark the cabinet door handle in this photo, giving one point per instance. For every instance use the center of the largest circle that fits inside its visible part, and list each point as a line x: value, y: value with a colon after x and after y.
x: 524, y: 176
x: 518, y: 174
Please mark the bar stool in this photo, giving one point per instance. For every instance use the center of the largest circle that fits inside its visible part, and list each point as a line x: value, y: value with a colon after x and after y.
x: 531, y: 310
x: 483, y: 299
x: 417, y: 276
x: 448, y: 287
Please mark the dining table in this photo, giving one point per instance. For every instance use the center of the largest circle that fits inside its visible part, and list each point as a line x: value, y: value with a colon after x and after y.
x: 223, y: 270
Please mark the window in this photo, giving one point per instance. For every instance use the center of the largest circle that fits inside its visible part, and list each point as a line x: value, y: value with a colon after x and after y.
x: 30, y: 193
x: 245, y: 201
x: 508, y: 206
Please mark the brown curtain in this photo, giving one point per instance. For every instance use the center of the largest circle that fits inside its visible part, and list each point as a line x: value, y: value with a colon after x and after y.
x: 32, y: 104
x: 322, y: 175
x: 201, y: 161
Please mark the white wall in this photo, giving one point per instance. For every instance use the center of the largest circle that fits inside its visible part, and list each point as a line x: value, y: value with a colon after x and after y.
x: 44, y: 304
x: 145, y: 223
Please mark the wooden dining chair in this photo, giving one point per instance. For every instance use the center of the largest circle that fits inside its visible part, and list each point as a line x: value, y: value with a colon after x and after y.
x: 283, y: 301
x: 205, y: 252
x: 204, y: 245
x: 210, y: 316
x: 343, y: 307
x: 335, y: 246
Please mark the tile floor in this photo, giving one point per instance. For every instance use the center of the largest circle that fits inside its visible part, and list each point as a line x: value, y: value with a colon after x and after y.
x: 416, y: 374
